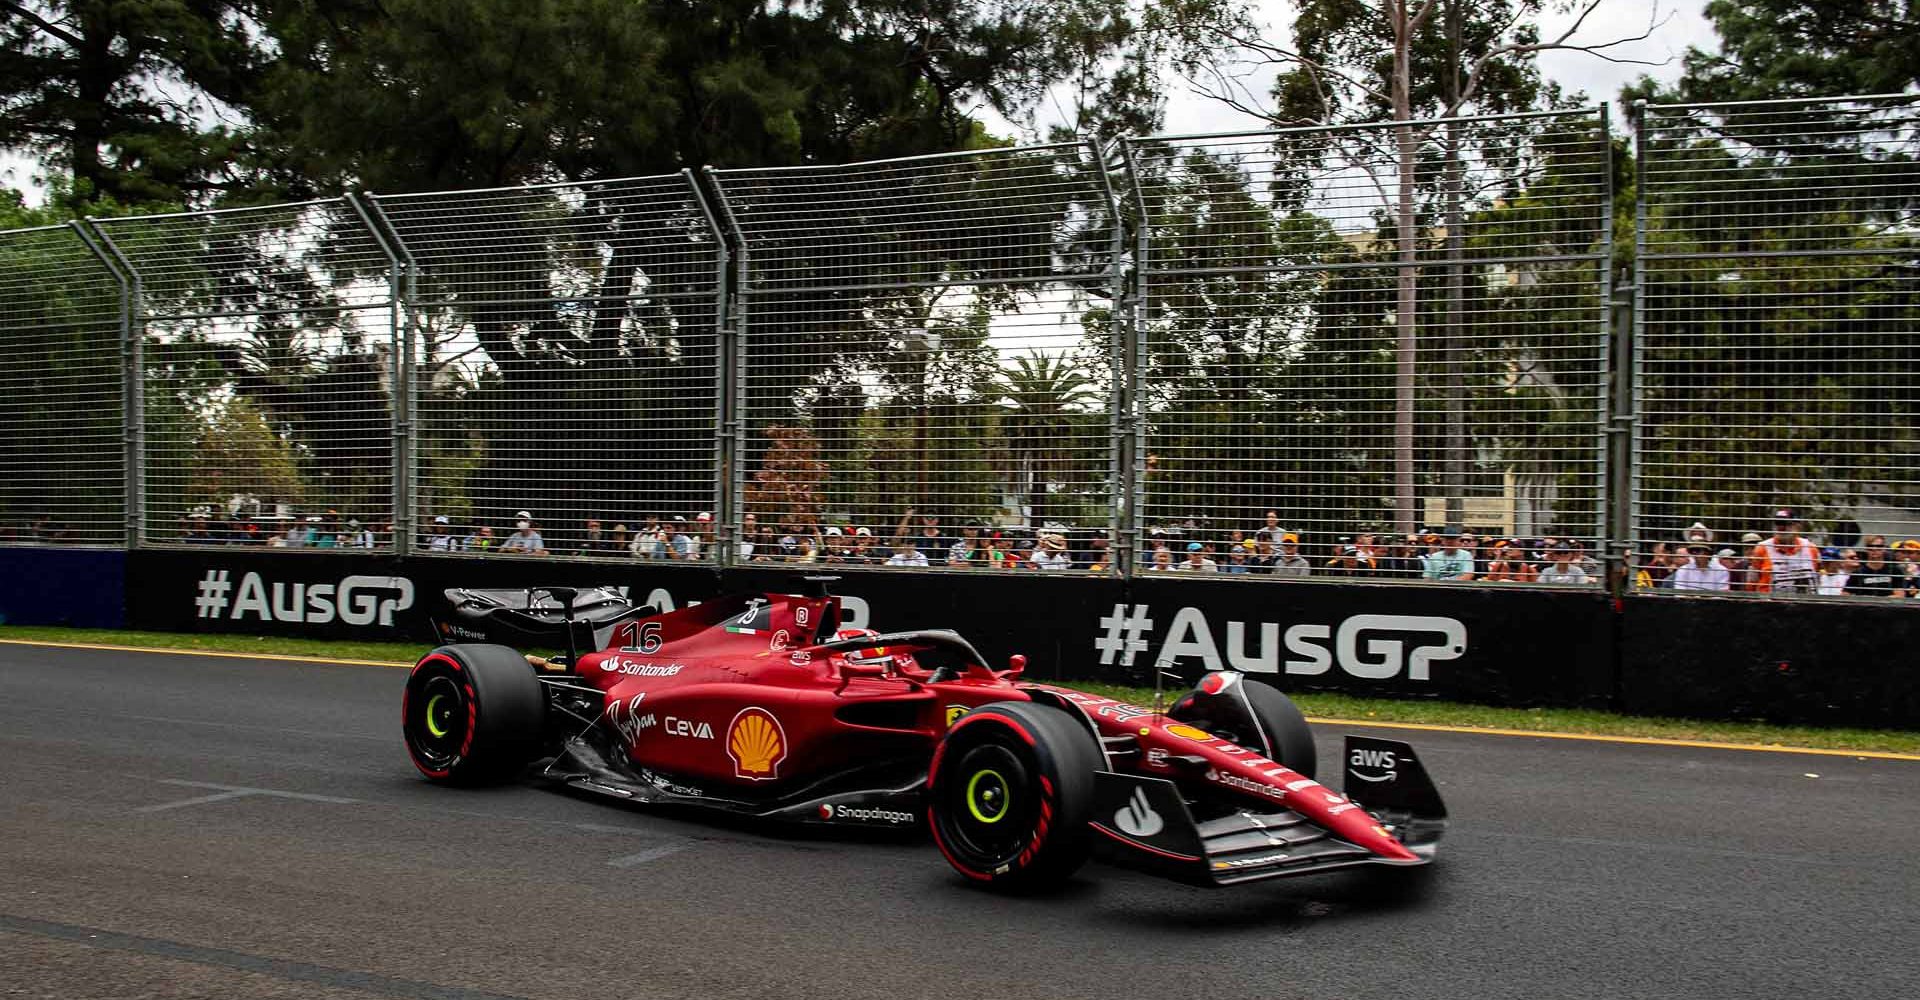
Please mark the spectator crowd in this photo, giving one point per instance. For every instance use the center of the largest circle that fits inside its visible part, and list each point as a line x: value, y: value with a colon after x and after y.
x: 1782, y: 561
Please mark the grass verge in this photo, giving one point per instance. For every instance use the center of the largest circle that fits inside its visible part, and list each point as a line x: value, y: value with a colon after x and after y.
x: 1317, y: 706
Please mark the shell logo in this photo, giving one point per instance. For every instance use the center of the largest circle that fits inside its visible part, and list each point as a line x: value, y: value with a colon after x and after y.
x: 1188, y: 732
x: 757, y: 744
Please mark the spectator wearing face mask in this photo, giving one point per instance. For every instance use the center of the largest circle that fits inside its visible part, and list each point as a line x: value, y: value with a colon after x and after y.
x: 525, y: 540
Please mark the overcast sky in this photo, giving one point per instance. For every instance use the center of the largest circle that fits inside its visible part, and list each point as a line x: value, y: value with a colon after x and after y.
x: 1680, y: 24
x: 1676, y: 26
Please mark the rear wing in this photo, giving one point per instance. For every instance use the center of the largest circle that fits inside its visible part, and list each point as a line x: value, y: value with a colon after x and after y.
x: 578, y: 617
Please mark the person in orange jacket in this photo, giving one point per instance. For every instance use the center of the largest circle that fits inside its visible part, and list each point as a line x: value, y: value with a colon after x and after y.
x: 1785, y: 563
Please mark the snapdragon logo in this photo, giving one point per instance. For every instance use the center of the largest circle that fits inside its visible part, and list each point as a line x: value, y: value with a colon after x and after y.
x: 865, y: 814
x: 355, y: 600
x: 1372, y: 647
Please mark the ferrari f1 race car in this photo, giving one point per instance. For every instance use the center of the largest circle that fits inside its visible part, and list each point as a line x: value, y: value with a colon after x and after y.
x: 764, y: 706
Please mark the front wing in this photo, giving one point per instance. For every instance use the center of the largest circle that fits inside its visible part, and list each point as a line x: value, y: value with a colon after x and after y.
x: 1145, y: 823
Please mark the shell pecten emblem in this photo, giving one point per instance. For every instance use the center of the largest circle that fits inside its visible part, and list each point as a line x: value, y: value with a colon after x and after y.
x: 757, y: 744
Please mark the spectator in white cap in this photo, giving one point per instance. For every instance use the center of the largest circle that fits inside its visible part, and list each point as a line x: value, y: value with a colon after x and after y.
x: 697, y: 536
x: 439, y: 535
x: 525, y: 540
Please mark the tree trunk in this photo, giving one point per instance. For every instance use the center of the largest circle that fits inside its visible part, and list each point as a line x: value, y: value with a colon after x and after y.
x: 1407, y: 301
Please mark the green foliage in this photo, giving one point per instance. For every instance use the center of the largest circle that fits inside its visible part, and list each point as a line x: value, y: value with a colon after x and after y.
x: 60, y: 392
x: 1798, y: 48
x: 86, y: 85
x: 408, y: 95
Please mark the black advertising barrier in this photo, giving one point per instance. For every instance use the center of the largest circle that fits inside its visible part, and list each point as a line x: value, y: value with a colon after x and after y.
x: 1509, y: 647
x: 81, y: 588
x: 1477, y: 643
x: 344, y: 595
x: 1821, y: 662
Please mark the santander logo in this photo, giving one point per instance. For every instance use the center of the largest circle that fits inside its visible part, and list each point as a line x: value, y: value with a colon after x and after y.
x: 1137, y: 818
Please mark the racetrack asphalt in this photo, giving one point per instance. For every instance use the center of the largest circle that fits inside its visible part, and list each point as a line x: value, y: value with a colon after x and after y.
x: 198, y: 826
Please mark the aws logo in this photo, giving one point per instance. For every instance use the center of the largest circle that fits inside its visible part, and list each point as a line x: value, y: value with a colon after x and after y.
x: 1373, y: 760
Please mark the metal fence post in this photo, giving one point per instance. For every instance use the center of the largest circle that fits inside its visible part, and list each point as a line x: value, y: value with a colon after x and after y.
x: 726, y: 451
x: 733, y: 365
x: 1614, y: 552
x: 399, y: 335
x: 132, y: 368
x: 1628, y: 367
x: 1119, y: 532
x: 1129, y: 426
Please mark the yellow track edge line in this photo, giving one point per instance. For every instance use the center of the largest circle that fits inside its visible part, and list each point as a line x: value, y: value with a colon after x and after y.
x: 1658, y: 741
x: 1365, y: 723
x: 284, y: 657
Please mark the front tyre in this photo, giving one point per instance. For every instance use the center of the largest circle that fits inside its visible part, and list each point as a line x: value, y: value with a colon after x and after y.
x: 1252, y: 715
x: 1009, y: 794
x: 472, y: 714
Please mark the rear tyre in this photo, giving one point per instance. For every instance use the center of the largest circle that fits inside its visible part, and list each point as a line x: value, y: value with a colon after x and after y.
x: 1009, y: 794
x: 472, y: 714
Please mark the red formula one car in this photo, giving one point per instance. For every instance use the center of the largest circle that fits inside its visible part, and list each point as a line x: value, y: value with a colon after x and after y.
x: 765, y: 706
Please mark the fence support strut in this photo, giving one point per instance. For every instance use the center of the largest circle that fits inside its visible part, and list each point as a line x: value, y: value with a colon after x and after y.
x: 133, y: 381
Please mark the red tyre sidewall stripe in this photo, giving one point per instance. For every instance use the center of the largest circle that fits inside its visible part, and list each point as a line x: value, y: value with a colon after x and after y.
x: 1032, y: 848
x: 406, y: 697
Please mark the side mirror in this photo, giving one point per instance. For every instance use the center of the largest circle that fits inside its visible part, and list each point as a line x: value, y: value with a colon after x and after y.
x: 1016, y: 665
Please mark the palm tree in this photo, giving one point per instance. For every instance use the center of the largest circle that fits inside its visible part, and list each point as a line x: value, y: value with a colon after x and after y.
x: 1046, y: 402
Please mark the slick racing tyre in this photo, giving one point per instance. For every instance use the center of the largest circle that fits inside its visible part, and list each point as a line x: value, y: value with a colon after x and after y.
x: 472, y: 714
x: 1291, y: 742
x: 1251, y: 714
x: 1009, y: 794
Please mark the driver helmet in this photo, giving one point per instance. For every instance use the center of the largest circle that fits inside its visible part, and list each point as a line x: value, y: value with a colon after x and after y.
x: 884, y: 656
